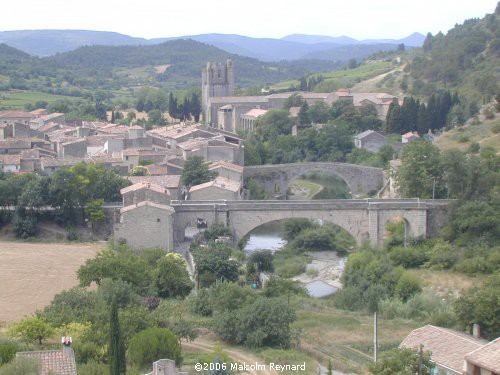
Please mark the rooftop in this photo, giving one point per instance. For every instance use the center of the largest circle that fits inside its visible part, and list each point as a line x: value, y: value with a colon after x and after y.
x: 146, y: 204
x: 226, y: 165
x: 219, y: 182
x: 57, y: 362
x: 169, y: 181
x: 487, y: 357
x: 144, y: 185
x: 256, y: 112
x: 15, y: 114
x: 448, y: 347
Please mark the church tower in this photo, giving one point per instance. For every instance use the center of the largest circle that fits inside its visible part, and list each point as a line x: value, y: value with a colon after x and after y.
x: 217, y: 79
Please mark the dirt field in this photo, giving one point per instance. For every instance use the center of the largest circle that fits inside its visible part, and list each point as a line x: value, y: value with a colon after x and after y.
x: 32, y: 273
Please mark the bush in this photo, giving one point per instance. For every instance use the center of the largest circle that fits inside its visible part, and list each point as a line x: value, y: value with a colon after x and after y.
x: 8, y: 350
x: 407, y: 286
x: 292, y: 227
x: 24, y: 226
x: 496, y: 128
x: 21, y: 366
x: 442, y: 256
x: 93, y: 368
x: 151, y: 344
x: 408, y: 257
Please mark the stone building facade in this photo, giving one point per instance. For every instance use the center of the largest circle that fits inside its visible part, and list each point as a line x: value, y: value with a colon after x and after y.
x: 217, y: 80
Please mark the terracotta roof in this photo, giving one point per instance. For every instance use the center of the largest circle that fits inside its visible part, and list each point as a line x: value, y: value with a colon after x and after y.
x: 7, y: 159
x: 448, y: 347
x: 410, y: 135
x: 226, y: 165
x: 39, y: 111
x: 57, y: 362
x: 144, y: 185
x: 51, y: 126
x: 169, y: 181
x: 157, y: 170
x: 60, y: 162
x: 15, y: 114
x: 487, y: 357
x: 147, y: 203
x: 256, y: 112
x: 175, y: 131
x: 135, y: 151
x: 219, y: 182
x: 193, y: 144
x: 15, y: 143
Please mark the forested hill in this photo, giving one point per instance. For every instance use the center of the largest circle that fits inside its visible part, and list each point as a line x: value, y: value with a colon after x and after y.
x: 106, y: 66
x: 467, y: 58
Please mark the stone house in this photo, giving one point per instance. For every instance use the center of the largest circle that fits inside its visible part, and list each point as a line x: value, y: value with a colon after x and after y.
x: 485, y: 360
x: 144, y: 225
x: 10, y: 163
x: 170, y: 182
x: 247, y: 120
x: 53, y: 362
x: 144, y: 191
x: 454, y: 352
x: 12, y: 116
x: 165, y: 367
x: 227, y: 170
x: 370, y: 140
x: 220, y: 188
x: 409, y: 137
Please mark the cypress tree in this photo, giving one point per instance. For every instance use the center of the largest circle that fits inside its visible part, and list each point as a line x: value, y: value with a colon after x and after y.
x: 112, y: 117
x: 116, y: 354
x: 423, y: 120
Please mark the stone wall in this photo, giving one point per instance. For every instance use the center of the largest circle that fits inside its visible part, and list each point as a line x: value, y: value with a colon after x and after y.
x: 276, y: 178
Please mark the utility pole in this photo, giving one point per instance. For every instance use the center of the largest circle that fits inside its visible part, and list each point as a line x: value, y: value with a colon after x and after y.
x: 420, y: 352
x: 433, y: 188
x: 375, y: 338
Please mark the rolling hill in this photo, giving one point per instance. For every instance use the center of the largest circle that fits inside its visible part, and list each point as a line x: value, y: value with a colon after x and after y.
x: 292, y: 47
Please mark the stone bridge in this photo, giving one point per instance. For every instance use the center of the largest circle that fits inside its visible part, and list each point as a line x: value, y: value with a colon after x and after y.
x: 276, y: 178
x: 364, y: 219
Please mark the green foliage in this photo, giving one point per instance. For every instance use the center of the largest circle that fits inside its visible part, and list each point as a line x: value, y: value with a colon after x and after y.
x: 369, y: 277
x: 94, y: 211
x: 279, y: 287
x: 196, y: 172
x: 481, y: 306
x: 402, y: 361
x: 21, y: 366
x: 31, y: 329
x: 153, y: 343
x: 288, y: 263
x: 215, y: 231
x: 120, y: 264
x: 421, y: 170
x: 171, y: 278
x: 266, y: 321
x: 292, y: 227
x: 116, y: 349
x: 261, y: 261
x: 24, y: 224
x: 213, y: 263
x: 93, y: 368
x: 8, y: 351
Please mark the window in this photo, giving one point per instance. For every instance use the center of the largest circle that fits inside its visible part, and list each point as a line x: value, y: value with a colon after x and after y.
x: 158, y: 220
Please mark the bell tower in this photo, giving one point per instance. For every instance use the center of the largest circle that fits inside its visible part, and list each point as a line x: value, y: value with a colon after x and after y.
x: 217, y: 79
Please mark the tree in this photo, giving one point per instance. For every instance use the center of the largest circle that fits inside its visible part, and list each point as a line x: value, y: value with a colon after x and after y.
x: 196, y: 172
x: 116, y: 351
x: 95, y: 212
x: 402, y: 361
x: 171, y: 277
x: 121, y: 264
x: 213, y: 263
x: 421, y: 171
x: 481, y: 306
x: 292, y: 227
x: 31, y: 329
x: 294, y: 100
x: 151, y: 344
x: 21, y: 366
x: 304, y: 114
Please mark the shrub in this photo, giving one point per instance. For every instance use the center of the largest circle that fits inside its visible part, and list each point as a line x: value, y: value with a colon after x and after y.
x: 24, y: 226
x: 496, y: 128
x: 408, y: 257
x: 8, y: 350
x: 153, y: 343
x: 442, y: 256
x: 407, y: 286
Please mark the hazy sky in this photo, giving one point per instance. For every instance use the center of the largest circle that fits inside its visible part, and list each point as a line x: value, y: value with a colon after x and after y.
x: 360, y: 19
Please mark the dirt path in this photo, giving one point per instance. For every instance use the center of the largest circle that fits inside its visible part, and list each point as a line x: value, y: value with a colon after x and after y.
x: 370, y: 84
x: 32, y: 273
x: 237, y: 355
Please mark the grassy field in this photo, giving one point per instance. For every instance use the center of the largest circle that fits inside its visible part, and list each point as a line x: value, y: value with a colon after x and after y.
x: 345, y: 337
x: 32, y: 273
x: 347, y: 77
x: 445, y: 283
x: 462, y: 138
x: 18, y: 99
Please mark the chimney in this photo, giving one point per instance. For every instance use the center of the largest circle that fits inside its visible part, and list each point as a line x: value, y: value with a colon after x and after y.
x: 66, y: 342
x: 476, y: 331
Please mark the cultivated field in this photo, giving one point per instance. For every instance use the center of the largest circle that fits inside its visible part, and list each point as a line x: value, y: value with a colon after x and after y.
x: 32, y: 273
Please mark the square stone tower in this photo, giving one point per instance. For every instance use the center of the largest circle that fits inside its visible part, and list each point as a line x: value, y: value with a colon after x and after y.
x: 217, y: 79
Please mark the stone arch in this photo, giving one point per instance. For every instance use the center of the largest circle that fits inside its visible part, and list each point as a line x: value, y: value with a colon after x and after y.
x: 245, y: 227
x: 410, y: 219
x: 292, y: 176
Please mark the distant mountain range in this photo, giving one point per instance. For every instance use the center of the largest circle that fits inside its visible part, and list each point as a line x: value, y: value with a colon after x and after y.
x: 291, y: 47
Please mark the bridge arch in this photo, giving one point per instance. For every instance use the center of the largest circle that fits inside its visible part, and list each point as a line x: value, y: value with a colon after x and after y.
x: 360, y: 179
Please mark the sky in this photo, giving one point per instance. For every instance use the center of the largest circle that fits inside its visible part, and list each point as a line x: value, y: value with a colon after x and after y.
x: 360, y: 19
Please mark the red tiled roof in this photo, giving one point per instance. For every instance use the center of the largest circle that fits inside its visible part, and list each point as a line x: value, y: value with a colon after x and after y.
x: 57, y: 362
x: 487, y: 357
x: 448, y: 347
